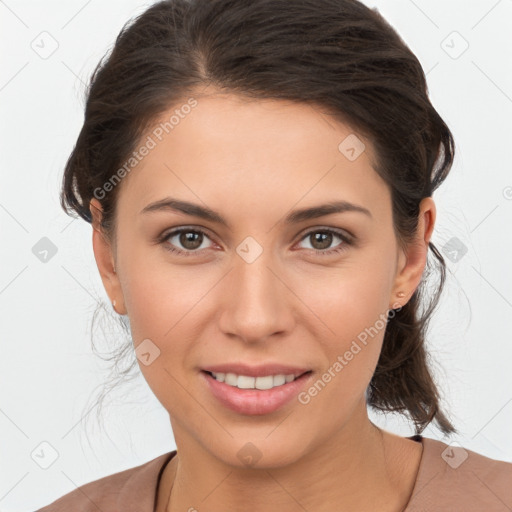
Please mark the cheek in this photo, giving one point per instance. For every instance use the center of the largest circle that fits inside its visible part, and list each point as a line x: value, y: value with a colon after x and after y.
x: 345, y: 303
x: 158, y: 296
x: 168, y: 305
x: 161, y: 309
x: 349, y: 322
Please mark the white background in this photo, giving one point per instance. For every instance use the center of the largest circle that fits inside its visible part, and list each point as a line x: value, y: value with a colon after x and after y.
x: 47, y: 368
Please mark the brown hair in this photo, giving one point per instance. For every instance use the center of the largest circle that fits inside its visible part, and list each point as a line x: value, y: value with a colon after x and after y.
x: 337, y: 55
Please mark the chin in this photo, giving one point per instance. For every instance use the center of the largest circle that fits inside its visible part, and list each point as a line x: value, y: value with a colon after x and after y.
x: 258, y: 452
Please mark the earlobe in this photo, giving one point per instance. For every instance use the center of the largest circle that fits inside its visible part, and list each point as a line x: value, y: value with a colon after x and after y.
x: 103, y: 254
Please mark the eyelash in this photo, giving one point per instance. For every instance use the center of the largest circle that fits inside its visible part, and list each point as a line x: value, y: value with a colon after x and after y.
x: 343, y: 247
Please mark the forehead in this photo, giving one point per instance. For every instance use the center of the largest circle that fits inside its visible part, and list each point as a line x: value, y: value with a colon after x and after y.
x: 227, y: 148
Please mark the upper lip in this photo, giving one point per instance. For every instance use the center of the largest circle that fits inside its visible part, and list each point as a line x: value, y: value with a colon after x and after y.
x: 256, y: 371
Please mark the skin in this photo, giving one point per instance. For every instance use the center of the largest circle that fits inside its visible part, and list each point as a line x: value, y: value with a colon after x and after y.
x: 253, y: 162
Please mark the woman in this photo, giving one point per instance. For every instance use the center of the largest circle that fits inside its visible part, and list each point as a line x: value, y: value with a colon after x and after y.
x: 259, y: 178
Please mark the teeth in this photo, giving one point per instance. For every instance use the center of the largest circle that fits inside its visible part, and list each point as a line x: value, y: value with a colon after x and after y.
x: 246, y: 382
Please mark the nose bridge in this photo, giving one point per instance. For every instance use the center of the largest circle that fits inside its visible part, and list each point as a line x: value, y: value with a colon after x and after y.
x: 255, y: 283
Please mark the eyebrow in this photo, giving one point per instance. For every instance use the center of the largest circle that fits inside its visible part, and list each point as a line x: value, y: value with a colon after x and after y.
x: 294, y: 217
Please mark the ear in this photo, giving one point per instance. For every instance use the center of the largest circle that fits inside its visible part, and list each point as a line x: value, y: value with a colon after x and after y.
x: 104, y: 256
x: 412, y: 260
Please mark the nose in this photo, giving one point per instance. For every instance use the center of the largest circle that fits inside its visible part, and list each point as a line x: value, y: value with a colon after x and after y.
x: 258, y: 302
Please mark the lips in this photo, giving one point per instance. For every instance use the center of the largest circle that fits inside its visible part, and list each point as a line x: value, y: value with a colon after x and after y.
x: 255, y: 401
x: 256, y: 371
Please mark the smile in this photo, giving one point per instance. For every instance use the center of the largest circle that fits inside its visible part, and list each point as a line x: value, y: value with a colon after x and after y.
x: 254, y: 395
x: 247, y: 382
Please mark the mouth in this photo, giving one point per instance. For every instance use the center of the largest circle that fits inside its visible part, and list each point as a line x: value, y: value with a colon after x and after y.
x: 250, y: 395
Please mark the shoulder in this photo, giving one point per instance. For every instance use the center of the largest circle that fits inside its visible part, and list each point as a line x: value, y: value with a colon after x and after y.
x: 451, y: 477
x: 109, y: 493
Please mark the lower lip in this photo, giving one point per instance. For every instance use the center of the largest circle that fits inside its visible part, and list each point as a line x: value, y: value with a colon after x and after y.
x: 255, y: 401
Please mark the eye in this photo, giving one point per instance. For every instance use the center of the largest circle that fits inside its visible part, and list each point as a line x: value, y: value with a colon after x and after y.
x: 325, y: 239
x: 190, y: 239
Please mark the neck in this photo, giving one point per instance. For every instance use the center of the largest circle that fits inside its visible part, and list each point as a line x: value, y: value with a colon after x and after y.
x: 359, y: 468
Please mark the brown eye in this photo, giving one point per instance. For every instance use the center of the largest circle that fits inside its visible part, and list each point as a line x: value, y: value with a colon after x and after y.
x: 321, y: 239
x: 187, y: 241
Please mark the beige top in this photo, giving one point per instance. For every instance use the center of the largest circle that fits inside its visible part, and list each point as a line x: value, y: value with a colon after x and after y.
x: 449, y: 478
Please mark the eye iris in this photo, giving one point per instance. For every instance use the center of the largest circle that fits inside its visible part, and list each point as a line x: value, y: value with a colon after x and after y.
x: 189, y: 236
x: 325, y: 238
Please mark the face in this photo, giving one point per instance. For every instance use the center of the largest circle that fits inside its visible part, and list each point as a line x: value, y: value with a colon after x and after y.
x: 265, y: 286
